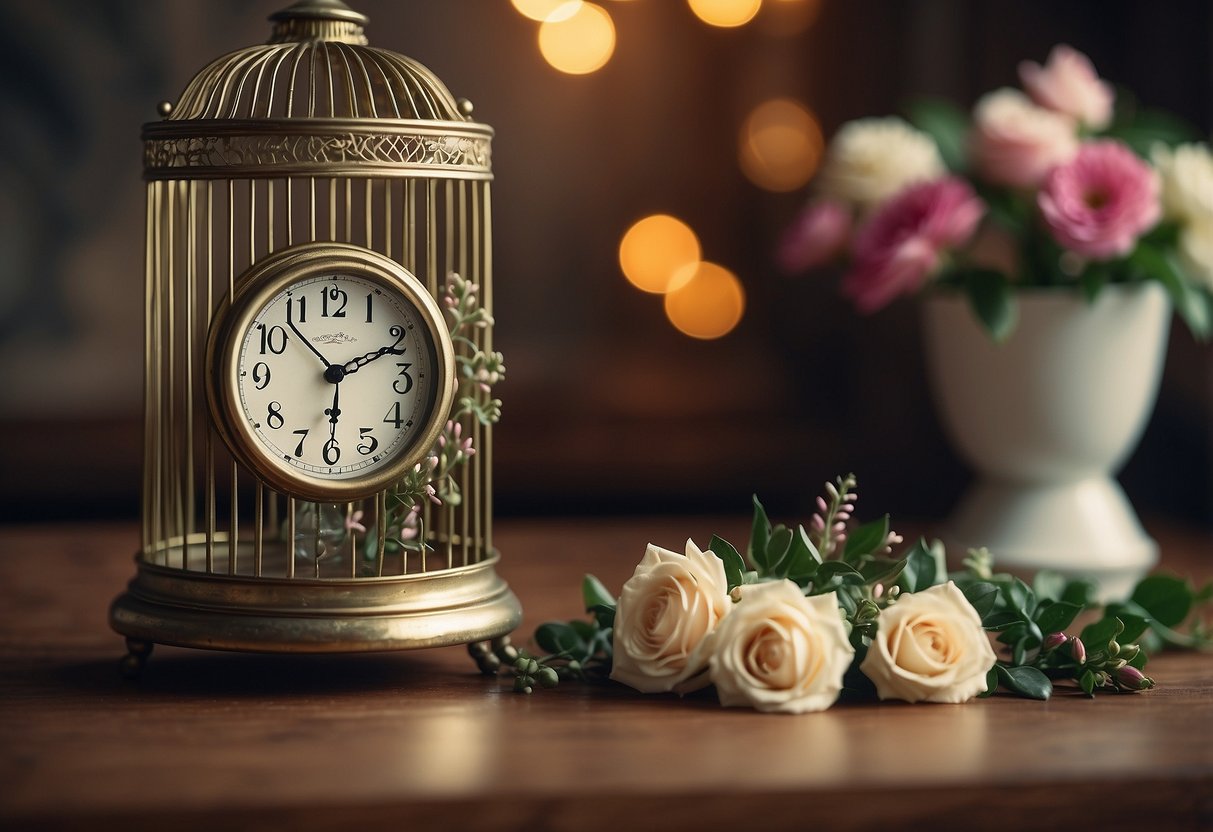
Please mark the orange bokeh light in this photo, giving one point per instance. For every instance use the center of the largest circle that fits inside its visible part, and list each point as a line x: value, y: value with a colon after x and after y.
x: 542, y: 10
x: 726, y: 13
x: 780, y: 145
x: 708, y: 305
x: 656, y: 252
x: 578, y: 43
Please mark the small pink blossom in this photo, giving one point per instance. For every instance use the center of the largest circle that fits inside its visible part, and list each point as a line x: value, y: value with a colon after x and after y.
x: 1101, y: 202
x: 353, y: 522
x: 817, y: 235
x: 1068, y: 84
x: 1016, y: 143
x: 901, y: 245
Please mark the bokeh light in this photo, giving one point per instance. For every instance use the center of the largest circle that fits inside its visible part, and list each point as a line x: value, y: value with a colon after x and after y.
x: 542, y: 10
x: 655, y: 253
x: 725, y: 12
x: 580, y: 42
x: 780, y: 145
x: 708, y: 305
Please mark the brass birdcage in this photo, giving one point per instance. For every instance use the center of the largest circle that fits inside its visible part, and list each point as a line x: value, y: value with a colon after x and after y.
x: 310, y: 150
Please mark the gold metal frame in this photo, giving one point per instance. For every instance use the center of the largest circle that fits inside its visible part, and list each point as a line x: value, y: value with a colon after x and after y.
x: 256, y: 288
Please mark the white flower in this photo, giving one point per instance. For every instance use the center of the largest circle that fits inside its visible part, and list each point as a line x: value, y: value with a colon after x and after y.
x: 929, y: 647
x: 665, y: 613
x: 1015, y: 142
x: 1196, y: 250
x: 871, y: 159
x: 780, y: 651
x: 1187, y: 180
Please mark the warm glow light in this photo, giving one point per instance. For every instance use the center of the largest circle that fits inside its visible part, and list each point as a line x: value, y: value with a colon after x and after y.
x: 656, y: 252
x: 725, y: 12
x: 788, y: 17
x: 781, y: 145
x: 708, y: 305
x: 542, y: 10
x: 579, y: 43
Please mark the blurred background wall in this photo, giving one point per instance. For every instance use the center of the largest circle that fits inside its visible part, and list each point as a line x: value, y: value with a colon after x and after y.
x: 608, y: 407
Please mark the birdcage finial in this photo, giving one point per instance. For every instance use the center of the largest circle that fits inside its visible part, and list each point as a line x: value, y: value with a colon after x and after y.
x: 309, y: 20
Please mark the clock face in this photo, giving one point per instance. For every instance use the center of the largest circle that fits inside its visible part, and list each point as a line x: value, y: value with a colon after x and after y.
x: 333, y: 376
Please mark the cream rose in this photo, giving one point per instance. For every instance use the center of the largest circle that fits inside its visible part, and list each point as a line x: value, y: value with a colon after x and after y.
x: 929, y: 647
x: 871, y: 159
x: 780, y: 651
x: 1196, y: 250
x: 1186, y: 173
x: 1015, y: 142
x: 666, y: 610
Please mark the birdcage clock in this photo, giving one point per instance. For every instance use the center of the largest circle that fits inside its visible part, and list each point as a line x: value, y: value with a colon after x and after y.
x: 319, y: 364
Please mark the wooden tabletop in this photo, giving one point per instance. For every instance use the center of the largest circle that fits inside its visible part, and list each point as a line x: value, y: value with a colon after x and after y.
x: 417, y: 740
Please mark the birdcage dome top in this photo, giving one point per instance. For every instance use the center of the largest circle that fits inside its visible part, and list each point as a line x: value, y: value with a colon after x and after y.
x: 317, y: 64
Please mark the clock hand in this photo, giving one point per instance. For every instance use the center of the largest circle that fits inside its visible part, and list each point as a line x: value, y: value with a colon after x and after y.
x: 353, y: 365
x: 333, y: 412
x: 291, y: 323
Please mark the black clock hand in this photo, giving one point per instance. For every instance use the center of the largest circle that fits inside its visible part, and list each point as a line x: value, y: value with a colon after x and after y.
x: 291, y: 323
x: 353, y: 365
x: 333, y: 412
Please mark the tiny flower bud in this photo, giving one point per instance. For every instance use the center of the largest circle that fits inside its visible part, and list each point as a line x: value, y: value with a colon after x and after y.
x: 1113, y: 648
x: 1133, y: 679
x: 1078, y: 651
x: 532, y: 667
x: 548, y: 678
x: 1054, y: 640
x: 735, y: 594
x: 520, y: 663
x: 1116, y: 664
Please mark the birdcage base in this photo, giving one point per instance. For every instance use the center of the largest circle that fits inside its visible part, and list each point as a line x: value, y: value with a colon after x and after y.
x: 226, y: 612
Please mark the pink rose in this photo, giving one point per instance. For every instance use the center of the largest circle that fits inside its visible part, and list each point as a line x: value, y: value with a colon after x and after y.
x: 1016, y: 143
x: 899, y: 247
x: 1101, y: 202
x: 1068, y: 84
x: 815, y: 237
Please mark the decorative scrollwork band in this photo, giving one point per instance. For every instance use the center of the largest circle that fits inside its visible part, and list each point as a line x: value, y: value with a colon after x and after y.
x: 237, y: 155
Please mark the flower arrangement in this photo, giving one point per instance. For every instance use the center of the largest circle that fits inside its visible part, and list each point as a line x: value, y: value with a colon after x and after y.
x: 809, y: 615
x: 1063, y: 184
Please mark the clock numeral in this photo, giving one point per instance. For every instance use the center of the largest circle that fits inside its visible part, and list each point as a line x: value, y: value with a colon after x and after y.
x: 369, y: 295
x: 334, y: 294
x: 273, y: 417
x: 261, y: 375
x: 302, y: 434
x: 273, y: 339
x: 302, y: 309
x: 367, y: 444
x: 393, y: 416
x: 408, y: 380
x: 331, y: 452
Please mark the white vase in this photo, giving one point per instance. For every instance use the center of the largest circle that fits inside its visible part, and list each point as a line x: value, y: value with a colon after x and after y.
x: 1046, y: 419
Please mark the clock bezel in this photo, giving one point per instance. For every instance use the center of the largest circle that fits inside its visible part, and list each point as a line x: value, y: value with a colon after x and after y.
x: 253, y: 290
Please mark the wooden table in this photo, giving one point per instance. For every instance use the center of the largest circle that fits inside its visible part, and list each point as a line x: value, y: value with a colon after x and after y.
x: 407, y: 741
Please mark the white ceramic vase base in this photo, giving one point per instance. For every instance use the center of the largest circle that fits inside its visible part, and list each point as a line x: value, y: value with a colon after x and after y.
x: 1080, y: 529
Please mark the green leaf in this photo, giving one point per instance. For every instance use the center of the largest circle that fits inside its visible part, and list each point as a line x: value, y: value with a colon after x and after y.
x: 1145, y: 127
x: 803, y: 557
x: 1001, y: 619
x: 924, y: 567
x: 559, y: 637
x: 991, y: 683
x: 1081, y: 591
x: 882, y: 570
x: 1087, y: 682
x: 982, y: 596
x: 1055, y: 617
x: 1092, y: 281
x: 944, y: 122
x: 1167, y: 599
x: 834, y: 573
x: 734, y: 566
x: 1096, y: 636
x: 604, y: 614
x: 1139, y: 661
x: 1048, y: 585
x: 867, y: 539
x: 1134, y: 626
x: 594, y: 594
x: 993, y: 302
x: 777, y: 551
x: 1193, y: 305
x: 1026, y: 681
x: 760, y: 533
x: 1020, y: 596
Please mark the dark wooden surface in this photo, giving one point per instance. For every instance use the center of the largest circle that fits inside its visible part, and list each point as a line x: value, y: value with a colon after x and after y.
x: 210, y: 740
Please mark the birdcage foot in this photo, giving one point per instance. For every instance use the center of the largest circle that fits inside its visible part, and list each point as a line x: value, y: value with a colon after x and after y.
x: 138, y: 652
x: 491, y: 655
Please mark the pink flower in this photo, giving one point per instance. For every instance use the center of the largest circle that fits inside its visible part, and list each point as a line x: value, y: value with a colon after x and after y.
x: 1016, y: 143
x: 900, y: 246
x: 815, y: 237
x: 353, y: 522
x: 1101, y: 202
x: 1068, y: 84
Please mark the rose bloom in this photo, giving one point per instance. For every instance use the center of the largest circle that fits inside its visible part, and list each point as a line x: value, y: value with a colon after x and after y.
x: 901, y: 245
x: 779, y: 651
x: 1186, y: 172
x: 1067, y: 83
x: 1016, y: 143
x: 665, y: 612
x: 818, y: 234
x: 1196, y: 251
x: 1099, y: 204
x: 871, y: 159
x: 929, y: 647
